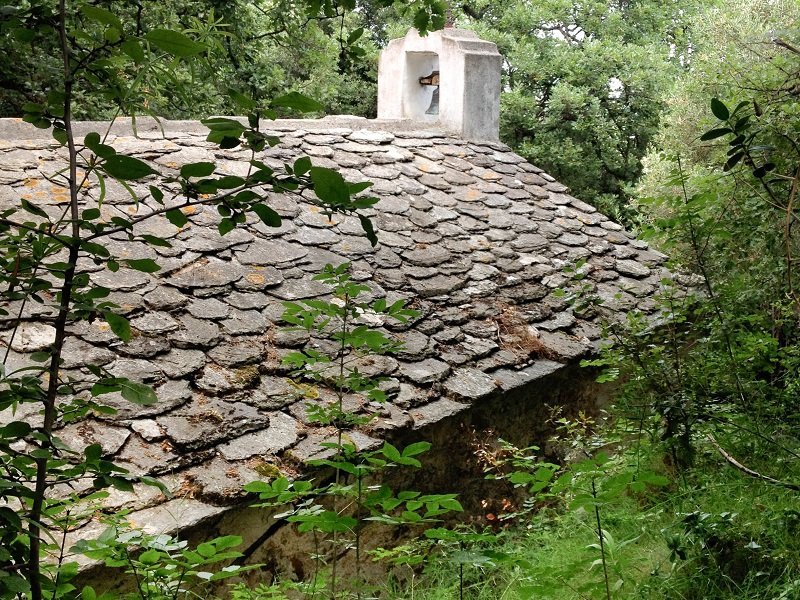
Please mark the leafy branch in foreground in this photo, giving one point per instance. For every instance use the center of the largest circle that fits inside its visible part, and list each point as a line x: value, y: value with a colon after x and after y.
x: 355, y: 496
x: 51, y: 250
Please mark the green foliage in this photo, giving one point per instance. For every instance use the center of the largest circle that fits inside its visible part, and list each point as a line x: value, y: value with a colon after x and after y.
x: 656, y: 543
x: 341, y: 320
x: 262, y: 48
x: 164, y: 567
x: 338, y: 511
x: 725, y: 209
x: 584, y: 85
x: 116, y: 58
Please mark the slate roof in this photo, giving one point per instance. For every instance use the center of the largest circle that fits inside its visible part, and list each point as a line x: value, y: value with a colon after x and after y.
x: 472, y: 235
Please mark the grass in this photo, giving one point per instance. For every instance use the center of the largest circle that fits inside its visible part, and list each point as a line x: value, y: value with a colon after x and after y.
x: 713, y: 533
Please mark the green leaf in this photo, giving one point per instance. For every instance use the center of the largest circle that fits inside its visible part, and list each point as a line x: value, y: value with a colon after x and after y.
x: 226, y: 142
x: 88, y: 593
x: 133, y: 49
x: 15, y: 584
x: 174, y: 42
x: 150, y: 557
x: 391, y: 453
x: 176, y: 217
x: 55, y: 102
x: 229, y: 182
x: 226, y: 225
x: 90, y: 214
x: 742, y: 124
x: 98, y: 292
x: 719, y: 109
x: 416, y: 448
x: 366, y: 225
x: 355, y: 35
x: 105, y: 386
x: 125, y: 167
x: 157, y: 194
x: 155, y: 241
x: 299, y: 102
x: 421, y: 20
x: 60, y: 135
x: 638, y: 486
x: 256, y: 487
x: 137, y: 393
x: 223, y: 124
x: 91, y: 139
x: 32, y: 108
x: 93, y: 452
x: 246, y: 196
x: 360, y: 203
x: 121, y: 483
x: 359, y: 187
x: 119, y: 325
x: 101, y: 15
x: 15, y: 429
x: 37, y: 121
x: 198, y: 169
x: 715, y: 133
x: 268, y: 216
x: 145, y: 265
x: 33, y: 209
x: 226, y: 541
x: 302, y: 165
x: 733, y: 161
x: 330, y: 186
x: 94, y: 249
x: 241, y: 100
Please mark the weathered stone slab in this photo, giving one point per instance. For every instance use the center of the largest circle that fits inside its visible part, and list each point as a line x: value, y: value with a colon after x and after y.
x: 269, y: 252
x: 195, y: 333
x: 435, y: 411
x: 243, y: 322
x: 180, y: 363
x: 80, y: 435
x: 206, y: 273
x: 30, y: 337
x: 282, y: 433
x: 201, y: 425
x: 296, y: 289
x: 238, y: 352
x: 425, y: 371
x: 154, y: 323
x: 174, y: 515
x: 470, y: 385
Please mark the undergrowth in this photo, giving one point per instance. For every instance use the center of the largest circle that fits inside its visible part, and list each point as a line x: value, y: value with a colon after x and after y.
x: 712, y: 533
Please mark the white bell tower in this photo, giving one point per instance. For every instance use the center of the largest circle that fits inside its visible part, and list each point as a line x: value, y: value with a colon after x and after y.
x: 468, y: 77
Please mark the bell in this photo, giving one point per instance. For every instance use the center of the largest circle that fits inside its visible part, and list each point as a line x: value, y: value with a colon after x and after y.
x: 433, y: 109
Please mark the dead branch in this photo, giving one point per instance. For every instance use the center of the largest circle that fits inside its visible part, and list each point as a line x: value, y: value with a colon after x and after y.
x: 747, y: 471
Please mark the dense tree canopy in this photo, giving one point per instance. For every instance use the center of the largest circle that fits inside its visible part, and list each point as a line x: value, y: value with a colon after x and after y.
x: 721, y: 191
x: 261, y: 47
x: 585, y: 84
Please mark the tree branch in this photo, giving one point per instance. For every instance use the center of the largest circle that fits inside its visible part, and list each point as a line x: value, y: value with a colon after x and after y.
x: 747, y: 471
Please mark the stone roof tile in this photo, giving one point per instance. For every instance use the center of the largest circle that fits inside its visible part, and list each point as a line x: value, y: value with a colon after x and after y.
x: 466, y: 232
